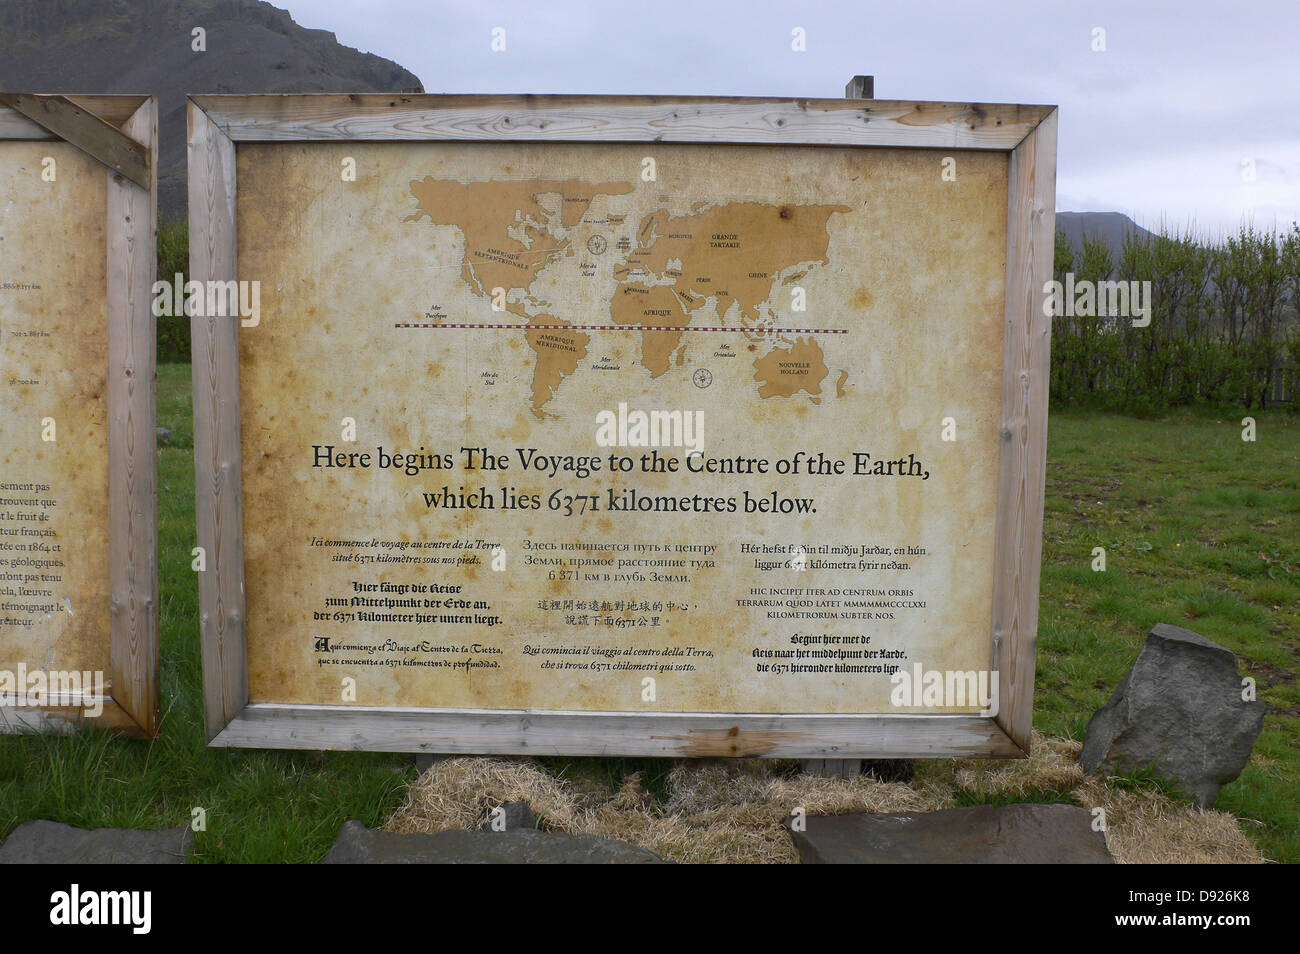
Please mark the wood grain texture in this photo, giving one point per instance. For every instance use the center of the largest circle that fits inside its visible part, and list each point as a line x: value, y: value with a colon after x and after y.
x: 132, y: 442
x: 129, y: 706
x: 218, y: 493
x: 283, y: 118
x: 216, y: 123
x: 73, y: 717
x: 860, y: 87
x: 87, y: 131
x: 475, y: 731
x: 831, y: 768
x: 113, y: 109
x: 1031, y: 229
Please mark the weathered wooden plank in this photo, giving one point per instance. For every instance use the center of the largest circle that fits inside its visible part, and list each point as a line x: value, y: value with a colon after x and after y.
x: 114, y: 110
x: 132, y: 453
x: 218, y: 494
x: 690, y: 735
x: 129, y: 705
x: 72, y: 717
x: 1031, y: 224
x: 85, y: 130
x: 622, y: 119
x: 233, y: 722
x: 860, y: 87
x: 14, y: 125
x: 831, y: 768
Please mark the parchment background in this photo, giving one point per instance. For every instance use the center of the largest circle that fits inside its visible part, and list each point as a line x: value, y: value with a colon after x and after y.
x: 52, y: 235
x: 915, y: 272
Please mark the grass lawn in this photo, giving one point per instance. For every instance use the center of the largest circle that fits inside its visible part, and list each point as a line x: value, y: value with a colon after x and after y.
x: 1200, y: 529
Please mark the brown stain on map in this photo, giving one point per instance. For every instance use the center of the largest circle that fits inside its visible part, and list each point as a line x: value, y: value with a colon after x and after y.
x: 287, y: 501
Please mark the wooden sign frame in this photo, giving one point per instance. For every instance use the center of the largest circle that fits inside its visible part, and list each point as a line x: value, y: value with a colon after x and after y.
x: 120, y: 132
x: 217, y: 124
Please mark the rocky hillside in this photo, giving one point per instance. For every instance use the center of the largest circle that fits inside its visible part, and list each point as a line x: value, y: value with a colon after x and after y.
x: 1108, y: 227
x: 145, y: 46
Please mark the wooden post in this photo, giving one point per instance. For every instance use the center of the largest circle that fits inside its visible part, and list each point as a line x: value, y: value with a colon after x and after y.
x: 214, y: 351
x: 427, y: 760
x: 831, y: 768
x: 860, y: 87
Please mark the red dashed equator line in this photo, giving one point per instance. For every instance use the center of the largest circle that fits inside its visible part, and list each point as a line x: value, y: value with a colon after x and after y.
x: 759, y: 330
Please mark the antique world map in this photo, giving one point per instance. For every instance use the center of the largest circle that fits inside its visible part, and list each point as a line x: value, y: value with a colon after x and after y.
x: 719, y: 266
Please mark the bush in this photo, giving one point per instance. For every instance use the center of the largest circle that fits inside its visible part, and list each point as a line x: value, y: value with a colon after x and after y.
x: 173, y: 260
x: 1223, y: 331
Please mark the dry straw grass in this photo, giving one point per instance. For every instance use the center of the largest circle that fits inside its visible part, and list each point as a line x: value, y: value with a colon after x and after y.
x: 733, y: 811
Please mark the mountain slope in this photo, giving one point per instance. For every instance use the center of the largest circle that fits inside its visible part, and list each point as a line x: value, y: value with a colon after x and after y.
x: 144, y: 46
x: 1108, y: 227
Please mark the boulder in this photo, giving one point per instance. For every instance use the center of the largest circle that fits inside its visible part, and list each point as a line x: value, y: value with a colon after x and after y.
x: 43, y: 842
x: 1178, y: 712
x: 1022, y: 833
x: 357, y: 844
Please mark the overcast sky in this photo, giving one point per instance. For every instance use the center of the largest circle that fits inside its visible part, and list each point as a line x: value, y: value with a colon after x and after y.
x: 1169, y: 122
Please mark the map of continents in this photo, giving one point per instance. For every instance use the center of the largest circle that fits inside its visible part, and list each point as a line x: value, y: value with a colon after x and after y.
x: 719, y: 265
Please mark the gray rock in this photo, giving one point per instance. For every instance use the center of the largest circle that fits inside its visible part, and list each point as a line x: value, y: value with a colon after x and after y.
x: 983, y: 834
x: 516, y: 815
x: 42, y: 842
x: 164, y: 435
x: 425, y: 761
x: 357, y: 844
x: 1179, y: 712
